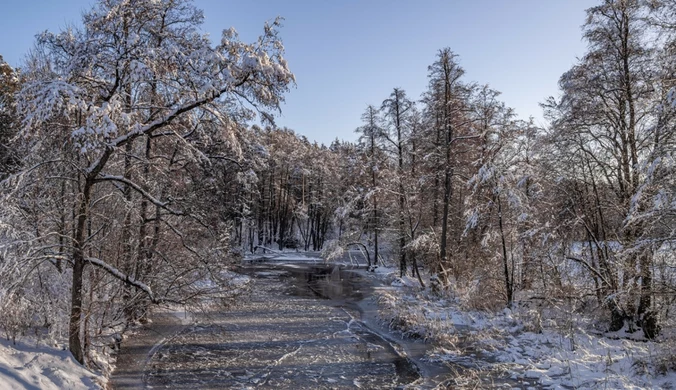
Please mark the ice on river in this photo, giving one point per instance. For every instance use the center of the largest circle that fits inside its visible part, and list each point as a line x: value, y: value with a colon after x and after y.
x: 279, y: 338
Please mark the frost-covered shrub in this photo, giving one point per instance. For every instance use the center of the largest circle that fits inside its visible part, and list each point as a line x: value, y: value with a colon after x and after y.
x: 17, y: 316
x: 665, y: 351
x: 33, y: 298
x: 483, y: 293
x: 665, y: 359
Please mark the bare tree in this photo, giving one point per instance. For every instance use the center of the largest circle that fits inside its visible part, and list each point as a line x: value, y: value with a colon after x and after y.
x: 396, y: 109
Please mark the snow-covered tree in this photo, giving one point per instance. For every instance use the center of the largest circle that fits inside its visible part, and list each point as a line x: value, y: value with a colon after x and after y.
x: 118, y: 111
x: 9, y: 84
x: 396, y: 111
x: 447, y: 103
x: 371, y: 136
x: 604, y: 120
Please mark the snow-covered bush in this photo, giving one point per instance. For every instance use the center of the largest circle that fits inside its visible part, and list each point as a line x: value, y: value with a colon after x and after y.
x: 19, y: 317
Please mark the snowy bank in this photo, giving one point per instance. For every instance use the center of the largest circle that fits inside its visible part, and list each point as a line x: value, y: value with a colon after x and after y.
x: 26, y: 366
x: 523, y: 346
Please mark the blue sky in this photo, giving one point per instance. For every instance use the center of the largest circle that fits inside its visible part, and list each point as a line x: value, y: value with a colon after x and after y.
x: 350, y: 53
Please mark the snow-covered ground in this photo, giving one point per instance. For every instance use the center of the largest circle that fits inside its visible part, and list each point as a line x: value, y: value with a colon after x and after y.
x: 346, y: 257
x: 525, y: 345
x: 42, y: 367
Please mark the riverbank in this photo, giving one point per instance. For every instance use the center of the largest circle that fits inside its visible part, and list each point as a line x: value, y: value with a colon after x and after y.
x: 528, y: 346
x: 38, y: 365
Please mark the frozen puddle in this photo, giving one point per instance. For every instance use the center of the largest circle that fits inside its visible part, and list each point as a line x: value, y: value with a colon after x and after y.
x: 287, y: 334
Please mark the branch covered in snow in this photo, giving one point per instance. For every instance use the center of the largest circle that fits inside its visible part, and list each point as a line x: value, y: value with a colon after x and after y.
x: 123, y: 277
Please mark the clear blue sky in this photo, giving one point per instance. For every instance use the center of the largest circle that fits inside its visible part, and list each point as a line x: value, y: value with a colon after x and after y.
x: 347, y: 54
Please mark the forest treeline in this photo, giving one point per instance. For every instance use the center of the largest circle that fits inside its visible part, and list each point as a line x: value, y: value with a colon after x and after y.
x: 132, y: 175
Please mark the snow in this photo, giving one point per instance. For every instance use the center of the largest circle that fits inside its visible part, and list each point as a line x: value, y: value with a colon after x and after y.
x: 582, y: 360
x: 27, y: 366
x: 284, y: 256
x: 524, y: 344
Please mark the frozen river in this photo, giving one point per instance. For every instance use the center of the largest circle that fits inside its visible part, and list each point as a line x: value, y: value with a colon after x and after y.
x: 283, y: 336
x: 302, y: 327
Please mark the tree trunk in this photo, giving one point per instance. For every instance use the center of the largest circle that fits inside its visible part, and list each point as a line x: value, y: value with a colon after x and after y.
x: 444, y: 224
x: 74, y: 340
x: 509, y: 284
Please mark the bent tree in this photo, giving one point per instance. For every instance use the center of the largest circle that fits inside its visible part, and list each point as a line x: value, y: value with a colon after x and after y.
x: 115, y: 115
